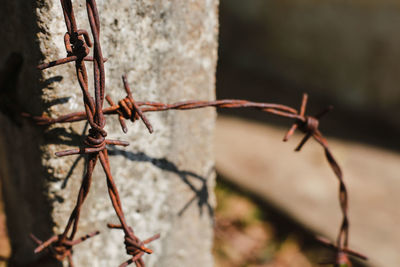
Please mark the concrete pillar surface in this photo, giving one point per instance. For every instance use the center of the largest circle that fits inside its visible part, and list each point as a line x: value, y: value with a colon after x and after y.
x: 168, y: 50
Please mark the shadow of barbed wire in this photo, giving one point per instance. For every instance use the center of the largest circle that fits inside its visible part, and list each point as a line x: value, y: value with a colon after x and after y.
x: 76, y: 161
x: 201, y: 193
x: 58, y: 101
x: 60, y: 136
x: 54, y: 79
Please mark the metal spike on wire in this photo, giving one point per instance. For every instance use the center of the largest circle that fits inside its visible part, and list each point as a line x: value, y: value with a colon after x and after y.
x: 78, y: 43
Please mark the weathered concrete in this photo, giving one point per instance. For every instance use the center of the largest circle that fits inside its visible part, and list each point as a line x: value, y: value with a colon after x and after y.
x: 303, y: 186
x: 168, y: 50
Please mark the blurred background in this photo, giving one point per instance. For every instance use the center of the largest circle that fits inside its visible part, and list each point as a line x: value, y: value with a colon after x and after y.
x: 345, y: 53
x: 272, y: 202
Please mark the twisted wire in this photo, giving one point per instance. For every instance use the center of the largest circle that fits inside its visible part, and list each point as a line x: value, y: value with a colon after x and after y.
x: 77, y: 43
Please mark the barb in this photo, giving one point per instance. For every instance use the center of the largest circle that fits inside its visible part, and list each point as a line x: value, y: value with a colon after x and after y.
x: 60, y: 248
x: 134, y: 246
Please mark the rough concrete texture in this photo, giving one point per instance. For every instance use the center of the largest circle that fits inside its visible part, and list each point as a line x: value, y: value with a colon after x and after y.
x: 168, y: 49
x: 303, y: 185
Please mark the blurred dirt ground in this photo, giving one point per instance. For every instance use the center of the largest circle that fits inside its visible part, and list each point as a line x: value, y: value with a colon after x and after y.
x: 302, y: 186
x: 245, y: 236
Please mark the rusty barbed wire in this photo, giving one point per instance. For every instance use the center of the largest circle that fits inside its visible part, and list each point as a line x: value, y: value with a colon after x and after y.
x: 78, y: 43
x: 128, y: 109
x: 309, y: 126
x: 60, y: 249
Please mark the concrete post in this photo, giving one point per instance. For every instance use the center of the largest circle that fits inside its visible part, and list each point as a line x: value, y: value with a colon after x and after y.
x: 168, y: 50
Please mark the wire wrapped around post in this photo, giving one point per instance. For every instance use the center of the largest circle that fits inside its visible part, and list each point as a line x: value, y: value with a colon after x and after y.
x: 77, y: 43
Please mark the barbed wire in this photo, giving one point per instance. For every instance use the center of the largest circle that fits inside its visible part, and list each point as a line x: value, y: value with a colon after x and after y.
x: 78, y: 43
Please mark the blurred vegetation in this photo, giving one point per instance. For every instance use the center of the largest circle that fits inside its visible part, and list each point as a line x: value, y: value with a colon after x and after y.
x: 245, y: 236
x: 251, y: 233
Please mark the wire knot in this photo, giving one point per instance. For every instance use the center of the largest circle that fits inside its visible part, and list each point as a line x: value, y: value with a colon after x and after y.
x: 128, y: 109
x: 134, y: 246
x: 96, y: 138
x: 61, y: 251
x: 307, y: 124
x: 60, y: 247
x: 78, y: 43
x: 310, y: 126
x: 341, y: 253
